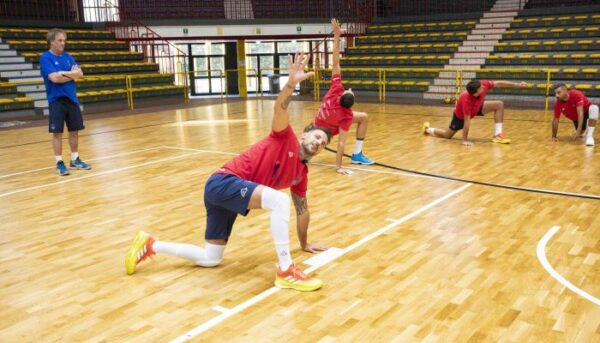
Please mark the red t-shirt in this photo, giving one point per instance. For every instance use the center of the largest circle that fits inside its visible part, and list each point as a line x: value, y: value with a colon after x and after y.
x: 332, y: 115
x: 569, y: 107
x: 272, y: 162
x: 470, y: 105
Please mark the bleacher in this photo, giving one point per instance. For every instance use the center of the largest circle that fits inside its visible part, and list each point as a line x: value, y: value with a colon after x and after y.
x: 105, y: 62
x: 567, y: 45
x: 421, y: 47
x: 191, y: 9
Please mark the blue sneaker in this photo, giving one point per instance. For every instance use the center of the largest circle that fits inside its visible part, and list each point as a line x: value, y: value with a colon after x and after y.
x: 360, y: 158
x: 61, y: 169
x: 79, y: 164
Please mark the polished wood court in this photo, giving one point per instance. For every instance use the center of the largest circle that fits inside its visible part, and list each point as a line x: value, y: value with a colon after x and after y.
x: 462, y: 267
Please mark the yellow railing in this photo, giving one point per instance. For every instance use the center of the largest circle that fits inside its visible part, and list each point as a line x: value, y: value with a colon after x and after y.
x: 183, y: 77
x: 383, y: 82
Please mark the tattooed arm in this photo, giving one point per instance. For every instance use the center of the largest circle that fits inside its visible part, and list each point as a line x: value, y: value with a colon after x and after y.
x: 302, y: 221
x: 296, y: 75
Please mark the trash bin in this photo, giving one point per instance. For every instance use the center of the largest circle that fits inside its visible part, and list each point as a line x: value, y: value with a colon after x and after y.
x: 274, y: 83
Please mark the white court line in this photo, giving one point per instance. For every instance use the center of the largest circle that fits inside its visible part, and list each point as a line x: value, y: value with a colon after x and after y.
x: 314, y: 163
x: 200, y: 150
x: 112, y: 171
x: 265, y: 294
x: 93, y: 159
x: 541, y: 254
x: 221, y: 309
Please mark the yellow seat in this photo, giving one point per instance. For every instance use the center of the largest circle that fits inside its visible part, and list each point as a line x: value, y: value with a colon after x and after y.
x: 541, y: 56
x: 583, y: 86
x: 590, y: 70
x: 560, y: 56
x: 578, y: 56
x: 571, y: 70
x: 6, y: 101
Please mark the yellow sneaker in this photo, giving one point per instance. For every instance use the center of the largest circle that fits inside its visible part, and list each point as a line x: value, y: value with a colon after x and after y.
x: 500, y: 138
x: 139, y: 250
x: 425, y: 128
x: 294, y: 278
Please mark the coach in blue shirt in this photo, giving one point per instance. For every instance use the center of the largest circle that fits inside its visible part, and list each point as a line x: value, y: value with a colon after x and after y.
x: 59, y: 71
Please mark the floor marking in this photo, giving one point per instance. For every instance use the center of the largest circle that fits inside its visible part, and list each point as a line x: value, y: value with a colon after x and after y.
x: 332, y: 256
x: 541, y: 254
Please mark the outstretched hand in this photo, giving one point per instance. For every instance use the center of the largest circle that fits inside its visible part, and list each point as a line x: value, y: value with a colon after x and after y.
x: 337, y: 28
x: 296, y: 69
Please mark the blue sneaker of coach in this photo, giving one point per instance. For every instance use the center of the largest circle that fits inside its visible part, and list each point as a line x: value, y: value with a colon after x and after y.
x: 61, y: 169
x: 79, y: 164
x: 360, y: 158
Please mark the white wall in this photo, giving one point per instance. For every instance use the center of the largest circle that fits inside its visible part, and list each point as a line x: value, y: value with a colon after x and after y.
x: 241, y: 30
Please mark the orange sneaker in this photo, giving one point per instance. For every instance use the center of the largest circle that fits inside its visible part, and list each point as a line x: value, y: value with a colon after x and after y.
x: 294, y: 278
x: 140, y: 249
x: 501, y: 138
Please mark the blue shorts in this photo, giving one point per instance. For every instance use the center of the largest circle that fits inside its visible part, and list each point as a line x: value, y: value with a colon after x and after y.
x: 225, y: 196
x: 64, y: 110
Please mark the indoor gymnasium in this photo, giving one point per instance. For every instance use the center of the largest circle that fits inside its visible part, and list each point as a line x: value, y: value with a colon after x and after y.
x: 299, y: 171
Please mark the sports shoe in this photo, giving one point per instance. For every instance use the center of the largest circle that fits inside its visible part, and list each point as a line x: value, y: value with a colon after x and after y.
x: 61, y: 169
x: 79, y: 164
x: 589, y: 140
x: 425, y: 128
x: 500, y: 138
x: 360, y: 158
x: 294, y: 278
x: 140, y: 249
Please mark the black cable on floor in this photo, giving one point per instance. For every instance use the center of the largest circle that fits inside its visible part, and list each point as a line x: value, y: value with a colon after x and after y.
x: 482, y: 183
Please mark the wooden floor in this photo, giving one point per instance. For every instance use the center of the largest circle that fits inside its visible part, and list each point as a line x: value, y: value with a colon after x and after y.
x: 420, y: 259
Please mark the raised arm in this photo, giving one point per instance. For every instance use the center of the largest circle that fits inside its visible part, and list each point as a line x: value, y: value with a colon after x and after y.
x: 296, y: 75
x: 501, y: 83
x: 337, y: 32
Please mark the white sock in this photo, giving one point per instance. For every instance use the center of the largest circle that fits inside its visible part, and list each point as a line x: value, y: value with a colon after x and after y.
x: 431, y: 130
x: 210, y: 256
x: 74, y: 156
x: 590, y: 131
x: 58, y: 158
x: 358, y: 146
x: 498, y: 129
x: 279, y: 204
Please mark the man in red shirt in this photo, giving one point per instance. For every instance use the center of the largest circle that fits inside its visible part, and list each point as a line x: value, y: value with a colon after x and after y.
x: 252, y: 181
x: 471, y: 103
x: 575, y: 106
x: 335, y: 113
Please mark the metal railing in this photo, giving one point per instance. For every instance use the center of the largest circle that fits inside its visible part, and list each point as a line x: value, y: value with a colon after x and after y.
x: 383, y: 82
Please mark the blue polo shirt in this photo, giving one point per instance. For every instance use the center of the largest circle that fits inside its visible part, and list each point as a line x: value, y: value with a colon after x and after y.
x: 50, y: 63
